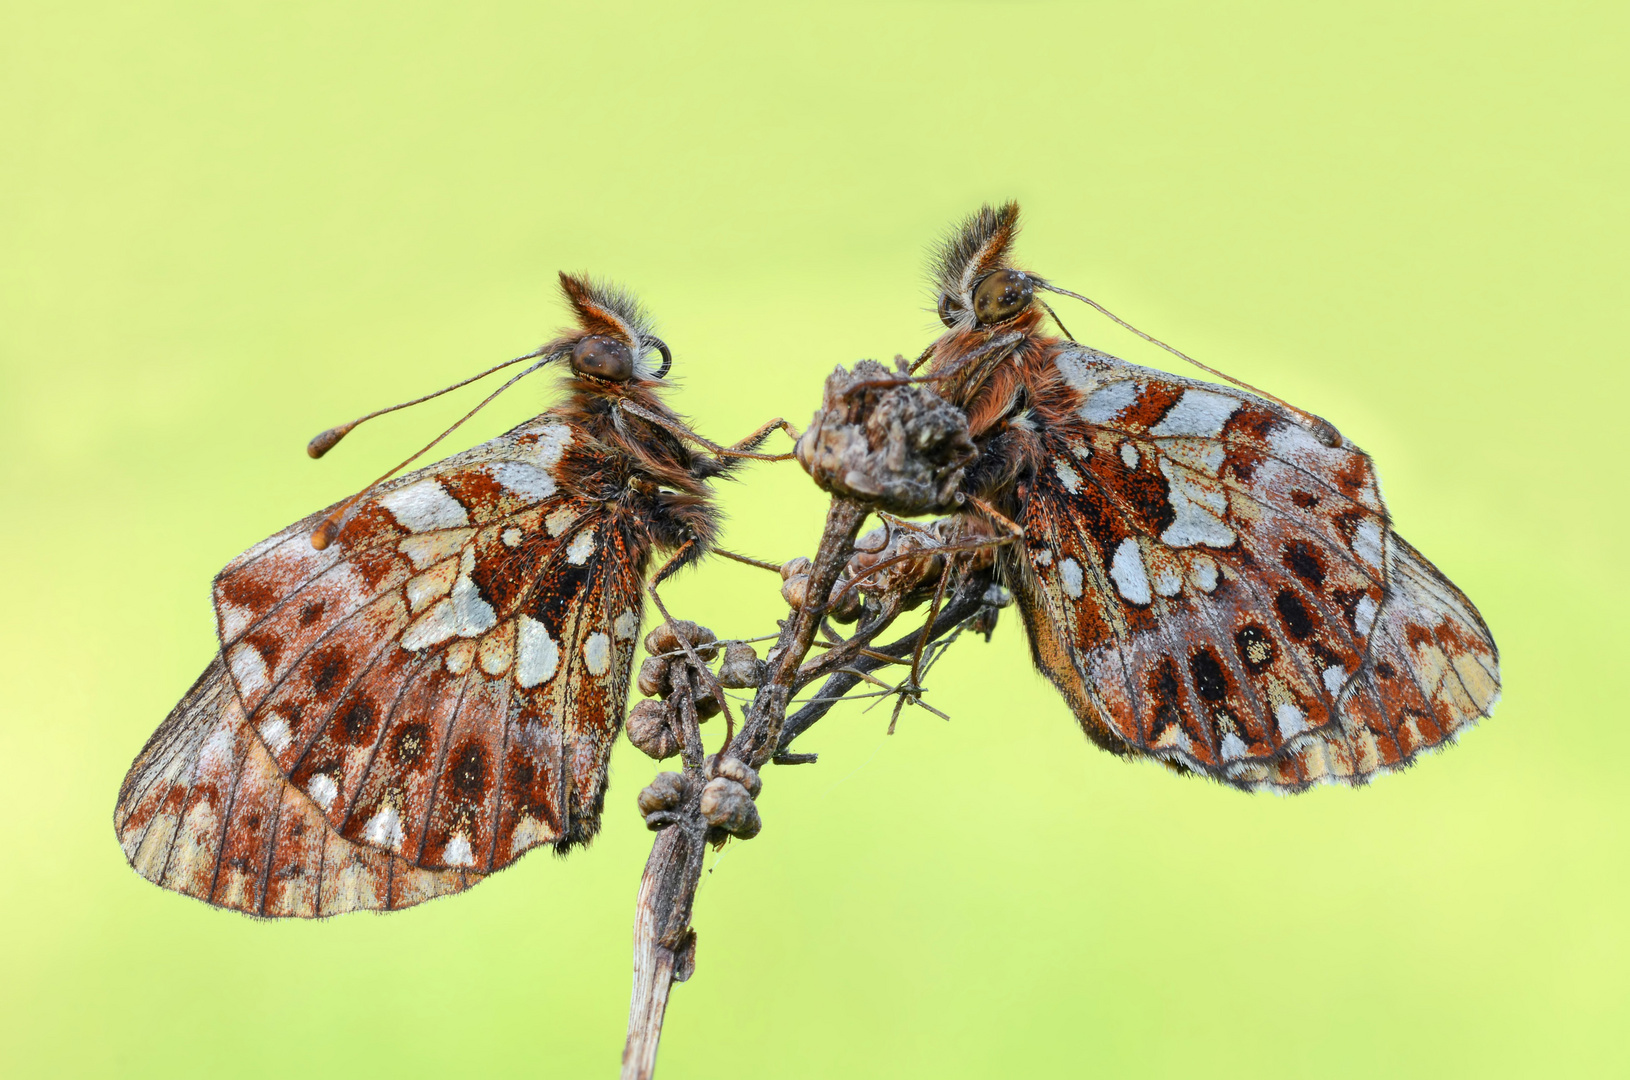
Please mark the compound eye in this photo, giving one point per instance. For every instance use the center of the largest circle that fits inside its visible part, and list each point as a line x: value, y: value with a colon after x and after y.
x: 949, y: 310
x: 1000, y: 296
x: 604, y: 358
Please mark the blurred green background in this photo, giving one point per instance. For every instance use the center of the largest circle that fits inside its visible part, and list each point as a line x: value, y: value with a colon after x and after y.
x: 225, y: 226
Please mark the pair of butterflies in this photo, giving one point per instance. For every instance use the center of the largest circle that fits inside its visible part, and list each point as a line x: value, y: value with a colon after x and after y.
x: 416, y: 687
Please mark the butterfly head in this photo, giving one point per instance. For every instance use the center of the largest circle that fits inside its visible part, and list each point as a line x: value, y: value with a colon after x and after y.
x: 977, y: 288
x: 614, y: 341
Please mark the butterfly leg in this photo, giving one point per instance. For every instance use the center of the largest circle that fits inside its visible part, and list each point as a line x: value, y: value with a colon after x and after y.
x: 688, y: 553
x: 742, y: 449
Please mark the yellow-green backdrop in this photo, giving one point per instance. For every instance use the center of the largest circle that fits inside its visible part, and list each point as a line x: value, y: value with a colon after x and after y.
x: 225, y: 226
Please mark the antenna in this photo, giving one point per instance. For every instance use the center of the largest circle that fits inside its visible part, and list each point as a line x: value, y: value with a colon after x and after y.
x: 1322, y: 429
x: 325, y: 442
x: 331, y: 524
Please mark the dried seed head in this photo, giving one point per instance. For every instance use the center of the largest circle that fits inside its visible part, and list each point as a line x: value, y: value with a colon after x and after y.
x: 733, y: 768
x: 727, y: 806
x: 886, y: 444
x: 796, y: 591
x: 742, y: 669
x: 650, y: 727
x: 653, y: 678
x: 793, y: 567
x: 661, y: 639
x: 663, y: 793
x: 707, y: 706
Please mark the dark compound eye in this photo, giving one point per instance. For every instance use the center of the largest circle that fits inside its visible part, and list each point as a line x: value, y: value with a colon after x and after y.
x: 1000, y: 296
x: 603, y: 358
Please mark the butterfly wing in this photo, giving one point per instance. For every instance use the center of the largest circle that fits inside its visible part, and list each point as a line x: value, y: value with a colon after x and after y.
x: 1210, y: 584
x: 445, y: 680
x: 205, y: 811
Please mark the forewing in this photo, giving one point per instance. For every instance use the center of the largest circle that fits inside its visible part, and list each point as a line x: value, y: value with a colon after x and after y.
x: 205, y: 811
x: 1210, y: 584
x: 446, y: 678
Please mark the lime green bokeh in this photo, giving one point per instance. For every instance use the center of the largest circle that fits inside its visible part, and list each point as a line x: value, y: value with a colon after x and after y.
x: 224, y: 227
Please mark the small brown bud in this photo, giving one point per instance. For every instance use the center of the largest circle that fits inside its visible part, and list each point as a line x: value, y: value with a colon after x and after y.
x: 742, y: 669
x: 707, y: 706
x: 733, y: 768
x: 663, y: 793
x: 727, y: 806
x: 796, y: 591
x: 653, y: 679
x: 793, y: 567
x: 662, y: 640
x: 650, y: 728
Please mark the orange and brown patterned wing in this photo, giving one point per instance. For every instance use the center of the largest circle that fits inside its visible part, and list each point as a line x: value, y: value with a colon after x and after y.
x: 446, y: 679
x: 205, y: 811
x: 1210, y: 584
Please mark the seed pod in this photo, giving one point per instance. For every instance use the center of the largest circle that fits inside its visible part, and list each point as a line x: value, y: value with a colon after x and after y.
x: 886, y: 443
x: 650, y: 728
x: 847, y: 608
x: 796, y: 591
x: 793, y: 567
x: 707, y: 706
x: 663, y: 793
x: 653, y: 680
x: 733, y: 768
x: 727, y: 806
x: 742, y: 669
x: 662, y: 640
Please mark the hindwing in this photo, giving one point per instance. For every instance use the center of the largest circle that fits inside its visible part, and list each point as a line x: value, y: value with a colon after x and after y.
x: 445, y: 680
x: 1212, y: 585
x: 205, y: 811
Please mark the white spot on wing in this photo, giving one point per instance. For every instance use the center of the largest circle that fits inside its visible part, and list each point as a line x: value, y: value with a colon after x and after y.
x: 1197, y: 412
x: 626, y: 626
x: 431, y: 548
x: 1129, y: 455
x: 1201, y: 455
x: 432, y: 628
x: 1076, y: 373
x: 560, y: 520
x: 1106, y: 401
x: 1292, y: 721
x: 511, y: 537
x: 1364, y: 614
x: 472, y: 615
x: 597, y: 653
x: 552, y: 442
x: 384, y: 829
x: 527, y: 481
x: 1126, y: 571
x: 430, y: 586
x: 1043, y: 557
x: 1067, y: 476
x: 1070, y: 570
x: 1197, y: 505
x: 248, y: 668
x: 1334, y: 679
x: 1167, y: 583
x: 537, y: 655
x: 581, y: 547
x: 1203, y: 571
x: 1367, y: 541
x: 1233, y: 747
x: 457, y: 852
x: 322, y: 790
x: 274, y: 732
x: 424, y: 507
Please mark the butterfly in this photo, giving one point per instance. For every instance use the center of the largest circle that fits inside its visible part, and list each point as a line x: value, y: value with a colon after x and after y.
x: 1209, y: 577
x: 419, y: 685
